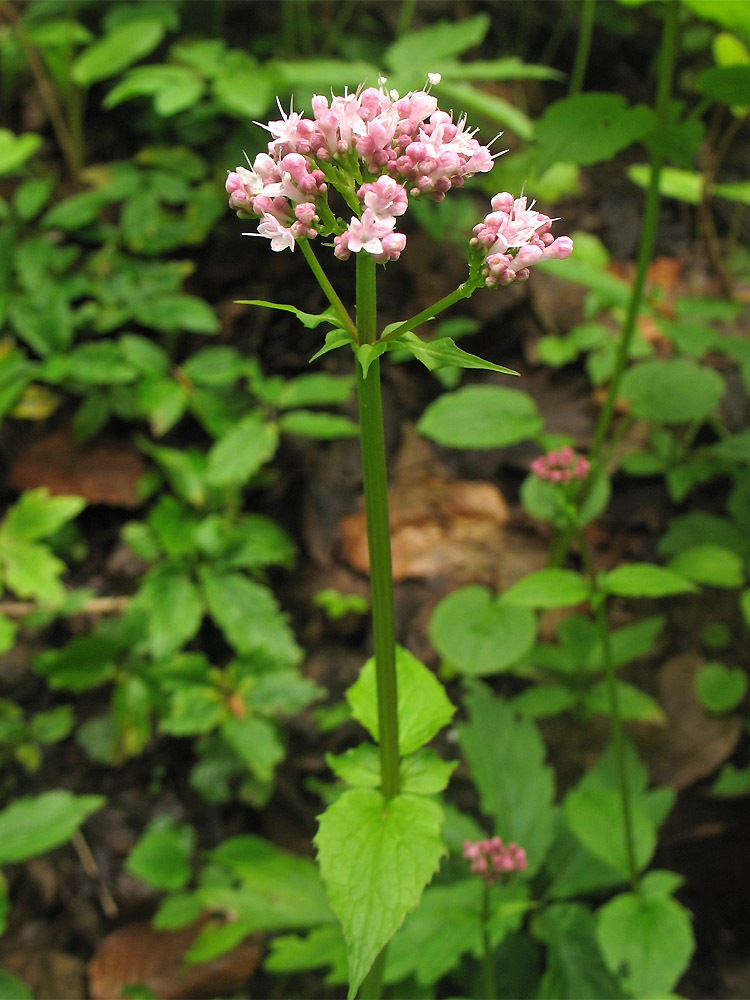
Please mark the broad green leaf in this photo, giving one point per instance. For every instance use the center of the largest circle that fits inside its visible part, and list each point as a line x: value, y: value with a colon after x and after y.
x: 317, y: 389
x: 487, y: 105
x: 15, y: 150
x: 574, y: 870
x: 242, y: 86
x: 13, y: 988
x: 683, y: 530
x: 735, y: 448
x: 35, y: 824
x: 38, y: 515
x: 423, y: 706
x: 194, y: 709
x: 634, y: 704
x: 95, y: 363
x: 249, y: 616
x: 116, y: 50
x: 173, y: 88
x: 710, y: 565
x: 595, y: 816
x: 423, y: 50
x: 721, y: 688
x: 589, y: 128
x: 508, y: 68
x: 645, y: 580
x: 729, y: 84
x: 389, y: 850
x: 732, y: 781
x: 422, y: 772
x: 86, y: 661
x: 575, y: 967
x: 263, y: 887
x: 310, y: 320
x: 482, y: 416
x: 173, y: 608
x: 215, y: 366
x: 8, y: 629
x: 176, y: 313
x: 477, y: 633
x: 672, y: 390
x: 548, y: 588
x: 506, y: 755
x: 162, y: 856
x: 323, y: 946
x: 30, y: 197
x: 447, y: 925
x: 732, y: 14
x: 542, y: 700
x: 31, y: 571
x: 257, y: 742
x: 240, y: 453
x: 323, y: 426
x: 444, y: 353
x: 647, y: 941
x: 177, y: 910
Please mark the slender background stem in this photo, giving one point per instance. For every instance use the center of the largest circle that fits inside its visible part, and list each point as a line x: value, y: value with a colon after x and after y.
x: 585, y: 34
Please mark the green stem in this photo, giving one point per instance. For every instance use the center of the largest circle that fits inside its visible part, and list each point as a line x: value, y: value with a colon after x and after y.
x: 598, y: 602
x: 328, y: 290
x: 668, y: 56
x: 585, y: 34
x: 378, y: 529
x: 462, y: 292
x: 487, y: 958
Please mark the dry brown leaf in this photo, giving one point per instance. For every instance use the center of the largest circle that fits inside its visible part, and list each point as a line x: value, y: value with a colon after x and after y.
x: 136, y: 953
x: 106, y: 471
x: 438, y: 528
x: 692, y: 744
x: 51, y: 974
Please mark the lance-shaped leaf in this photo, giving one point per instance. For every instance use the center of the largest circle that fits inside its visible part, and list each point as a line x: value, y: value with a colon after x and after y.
x: 376, y: 856
x: 445, y: 353
x: 310, y: 320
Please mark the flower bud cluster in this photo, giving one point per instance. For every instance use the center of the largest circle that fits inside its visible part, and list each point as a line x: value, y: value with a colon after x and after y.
x: 391, y: 146
x: 492, y: 858
x: 512, y: 238
x: 561, y: 466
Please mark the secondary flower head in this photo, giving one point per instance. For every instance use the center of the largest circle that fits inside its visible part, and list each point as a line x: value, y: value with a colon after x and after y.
x: 561, y: 466
x: 512, y: 238
x: 384, y: 147
x: 492, y: 858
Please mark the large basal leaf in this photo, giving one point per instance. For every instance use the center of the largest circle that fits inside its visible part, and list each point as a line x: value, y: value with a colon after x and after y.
x: 481, y: 416
x: 506, y: 754
x: 376, y: 856
x: 647, y: 939
x: 423, y: 706
x: 477, y: 633
x: 33, y: 825
x: 672, y: 390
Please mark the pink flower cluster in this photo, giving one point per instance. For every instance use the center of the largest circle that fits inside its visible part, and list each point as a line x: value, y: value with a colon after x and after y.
x: 399, y: 145
x: 513, y: 237
x: 492, y: 858
x: 561, y: 466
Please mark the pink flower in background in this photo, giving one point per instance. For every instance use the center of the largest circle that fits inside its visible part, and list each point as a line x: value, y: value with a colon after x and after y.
x: 492, y: 858
x: 514, y: 237
x: 561, y: 466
